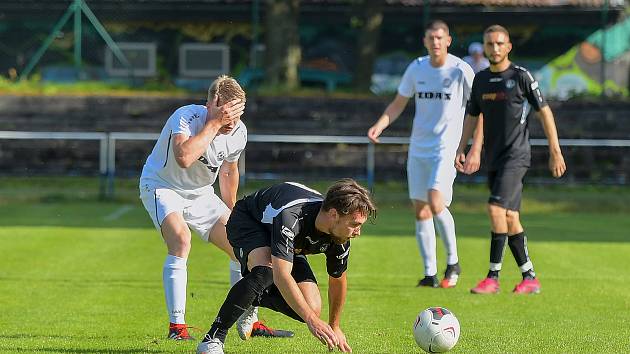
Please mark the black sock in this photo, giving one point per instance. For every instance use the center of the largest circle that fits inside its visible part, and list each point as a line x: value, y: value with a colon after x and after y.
x: 273, y: 300
x: 529, y: 274
x: 518, y: 246
x: 241, y: 296
x: 497, y: 247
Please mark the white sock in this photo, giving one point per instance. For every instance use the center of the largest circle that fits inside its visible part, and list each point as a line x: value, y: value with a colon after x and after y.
x: 175, y: 277
x: 446, y: 228
x: 235, y: 272
x: 425, y: 235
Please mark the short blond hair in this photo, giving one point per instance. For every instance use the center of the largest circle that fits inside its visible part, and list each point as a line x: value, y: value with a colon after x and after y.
x: 227, y: 89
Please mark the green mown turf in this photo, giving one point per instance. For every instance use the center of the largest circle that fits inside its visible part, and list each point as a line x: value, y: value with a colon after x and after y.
x: 85, y: 277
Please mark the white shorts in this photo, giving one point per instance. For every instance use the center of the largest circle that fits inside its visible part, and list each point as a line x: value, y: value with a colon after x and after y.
x: 425, y: 173
x: 200, y: 212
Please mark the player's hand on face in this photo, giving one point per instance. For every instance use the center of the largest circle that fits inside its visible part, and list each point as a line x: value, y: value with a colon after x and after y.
x: 322, y: 331
x: 472, y: 163
x: 557, y: 165
x: 343, y: 343
x: 227, y: 113
x: 373, y: 133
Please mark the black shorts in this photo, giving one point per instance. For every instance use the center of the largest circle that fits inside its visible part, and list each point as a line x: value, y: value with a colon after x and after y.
x: 506, y: 187
x: 246, y: 234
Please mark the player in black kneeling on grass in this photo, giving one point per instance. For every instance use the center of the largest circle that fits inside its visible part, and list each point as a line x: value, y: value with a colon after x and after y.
x: 272, y: 231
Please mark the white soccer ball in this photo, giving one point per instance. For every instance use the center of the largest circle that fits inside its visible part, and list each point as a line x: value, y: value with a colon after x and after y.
x: 436, y: 330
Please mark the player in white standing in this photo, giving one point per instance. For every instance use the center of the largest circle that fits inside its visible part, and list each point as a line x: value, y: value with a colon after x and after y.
x: 440, y: 84
x: 197, y: 144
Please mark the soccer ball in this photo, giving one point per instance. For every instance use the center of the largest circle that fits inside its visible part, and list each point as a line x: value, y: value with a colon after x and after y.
x: 436, y: 330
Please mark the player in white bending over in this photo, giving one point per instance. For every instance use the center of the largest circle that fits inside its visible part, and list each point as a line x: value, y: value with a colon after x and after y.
x: 440, y: 84
x: 197, y: 144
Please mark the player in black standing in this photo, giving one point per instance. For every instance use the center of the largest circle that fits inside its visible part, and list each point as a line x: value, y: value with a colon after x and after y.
x: 271, y: 232
x: 504, y: 93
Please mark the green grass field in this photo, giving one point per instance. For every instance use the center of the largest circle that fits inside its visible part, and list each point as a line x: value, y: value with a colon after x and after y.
x: 82, y: 276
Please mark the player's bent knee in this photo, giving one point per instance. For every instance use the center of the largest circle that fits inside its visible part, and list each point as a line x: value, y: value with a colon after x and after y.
x: 496, y: 210
x: 437, y: 208
x: 512, y: 216
x: 178, y: 244
x: 260, y: 278
x: 423, y: 212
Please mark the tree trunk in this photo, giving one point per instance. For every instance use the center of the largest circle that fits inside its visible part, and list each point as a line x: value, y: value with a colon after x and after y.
x: 368, y: 41
x: 282, y: 41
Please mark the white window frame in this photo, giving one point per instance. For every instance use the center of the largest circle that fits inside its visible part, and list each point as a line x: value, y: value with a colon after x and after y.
x: 148, y: 71
x: 184, y: 50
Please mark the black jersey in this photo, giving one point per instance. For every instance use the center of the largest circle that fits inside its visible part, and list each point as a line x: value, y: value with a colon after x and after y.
x: 288, y: 211
x: 505, y: 99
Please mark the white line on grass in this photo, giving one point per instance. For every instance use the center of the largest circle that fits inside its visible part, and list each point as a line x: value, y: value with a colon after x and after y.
x: 118, y: 213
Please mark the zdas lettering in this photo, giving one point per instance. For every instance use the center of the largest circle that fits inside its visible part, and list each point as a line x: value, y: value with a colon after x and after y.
x: 204, y: 161
x: 434, y: 95
x: 494, y: 96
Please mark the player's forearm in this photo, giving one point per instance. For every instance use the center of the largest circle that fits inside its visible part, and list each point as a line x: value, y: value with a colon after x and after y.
x: 292, y: 294
x: 392, y: 112
x: 228, y: 182
x: 470, y: 122
x: 477, y: 139
x: 337, y: 289
x: 549, y: 127
x: 189, y: 151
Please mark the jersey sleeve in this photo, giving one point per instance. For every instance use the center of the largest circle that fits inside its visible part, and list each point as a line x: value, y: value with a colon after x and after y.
x: 406, y: 87
x: 181, y: 122
x: 337, y: 259
x: 469, y: 77
x: 285, y: 226
x: 531, y: 90
x: 240, y: 135
x: 474, y: 108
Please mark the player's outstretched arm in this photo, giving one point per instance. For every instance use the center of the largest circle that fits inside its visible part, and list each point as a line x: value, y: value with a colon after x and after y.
x: 337, y: 289
x: 392, y: 112
x: 471, y: 123
x: 556, y: 160
x: 293, y: 296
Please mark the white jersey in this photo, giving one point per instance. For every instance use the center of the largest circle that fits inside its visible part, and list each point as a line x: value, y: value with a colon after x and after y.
x: 441, y: 95
x: 162, y: 170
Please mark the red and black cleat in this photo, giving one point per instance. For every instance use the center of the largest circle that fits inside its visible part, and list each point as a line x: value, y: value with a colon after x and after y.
x: 178, y: 332
x: 261, y: 330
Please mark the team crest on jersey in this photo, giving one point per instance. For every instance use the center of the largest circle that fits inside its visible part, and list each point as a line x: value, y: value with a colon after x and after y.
x: 510, y: 83
x: 221, y: 156
x: 447, y: 82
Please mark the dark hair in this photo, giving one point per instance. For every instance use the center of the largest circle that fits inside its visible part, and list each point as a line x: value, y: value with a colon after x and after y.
x: 347, y: 196
x: 497, y: 28
x: 436, y: 25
